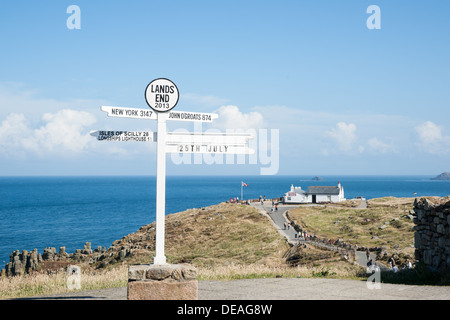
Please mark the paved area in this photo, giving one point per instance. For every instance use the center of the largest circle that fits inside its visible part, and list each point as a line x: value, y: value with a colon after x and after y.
x: 278, y: 218
x: 315, y: 289
x: 284, y: 289
x: 363, y: 204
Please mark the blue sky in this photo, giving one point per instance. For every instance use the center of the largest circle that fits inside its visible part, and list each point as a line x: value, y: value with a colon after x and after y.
x: 344, y: 99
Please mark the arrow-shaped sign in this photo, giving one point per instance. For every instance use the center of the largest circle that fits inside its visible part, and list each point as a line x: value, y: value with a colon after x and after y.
x: 138, y: 136
x: 136, y: 113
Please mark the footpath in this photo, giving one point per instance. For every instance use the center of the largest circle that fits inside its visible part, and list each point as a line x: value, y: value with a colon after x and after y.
x: 280, y: 222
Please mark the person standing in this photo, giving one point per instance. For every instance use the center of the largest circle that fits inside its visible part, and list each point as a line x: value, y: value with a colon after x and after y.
x: 391, y: 262
x: 408, y: 264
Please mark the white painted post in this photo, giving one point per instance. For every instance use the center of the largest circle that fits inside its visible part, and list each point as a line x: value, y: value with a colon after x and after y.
x: 161, y: 96
x: 160, y: 257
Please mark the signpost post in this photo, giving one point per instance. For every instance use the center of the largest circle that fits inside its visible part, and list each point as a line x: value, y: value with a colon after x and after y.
x: 162, y: 96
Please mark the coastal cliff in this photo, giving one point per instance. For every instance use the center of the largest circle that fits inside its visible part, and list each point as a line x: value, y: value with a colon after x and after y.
x: 221, y: 234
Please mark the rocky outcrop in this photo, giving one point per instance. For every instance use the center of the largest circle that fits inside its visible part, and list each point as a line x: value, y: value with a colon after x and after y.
x: 23, y: 262
x: 442, y: 176
x: 432, y: 236
x: 49, y: 261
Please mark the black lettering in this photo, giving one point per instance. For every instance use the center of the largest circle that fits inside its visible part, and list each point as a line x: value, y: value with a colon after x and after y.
x: 162, y: 98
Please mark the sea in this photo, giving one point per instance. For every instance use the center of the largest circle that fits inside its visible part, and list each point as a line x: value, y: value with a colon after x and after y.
x: 40, y: 212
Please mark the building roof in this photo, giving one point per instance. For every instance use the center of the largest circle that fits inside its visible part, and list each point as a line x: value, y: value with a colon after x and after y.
x: 323, y: 190
x: 294, y: 193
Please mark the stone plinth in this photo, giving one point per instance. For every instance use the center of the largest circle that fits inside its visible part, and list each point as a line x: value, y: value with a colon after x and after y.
x: 162, y: 282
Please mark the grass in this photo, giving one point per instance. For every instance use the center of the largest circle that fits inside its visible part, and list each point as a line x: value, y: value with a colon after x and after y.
x: 384, y: 224
x: 219, y: 235
x: 340, y: 269
x: 43, y: 284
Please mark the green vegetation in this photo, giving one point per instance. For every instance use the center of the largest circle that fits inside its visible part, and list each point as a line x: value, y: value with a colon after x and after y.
x: 387, y: 224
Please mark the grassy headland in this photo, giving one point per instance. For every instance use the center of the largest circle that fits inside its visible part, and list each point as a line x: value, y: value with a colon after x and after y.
x: 224, y: 242
x: 387, y: 224
x: 232, y: 241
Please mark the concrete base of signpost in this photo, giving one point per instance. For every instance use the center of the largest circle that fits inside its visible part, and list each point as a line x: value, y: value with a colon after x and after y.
x: 162, y: 282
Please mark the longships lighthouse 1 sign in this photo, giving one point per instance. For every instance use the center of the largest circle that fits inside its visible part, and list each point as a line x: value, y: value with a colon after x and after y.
x: 162, y: 96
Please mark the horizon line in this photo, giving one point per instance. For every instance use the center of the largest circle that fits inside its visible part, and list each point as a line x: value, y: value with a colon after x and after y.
x: 219, y: 175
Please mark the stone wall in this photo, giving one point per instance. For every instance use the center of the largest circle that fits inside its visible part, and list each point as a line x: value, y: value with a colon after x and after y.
x: 432, y: 236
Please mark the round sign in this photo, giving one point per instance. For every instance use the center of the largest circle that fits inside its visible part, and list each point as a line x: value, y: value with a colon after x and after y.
x: 161, y: 95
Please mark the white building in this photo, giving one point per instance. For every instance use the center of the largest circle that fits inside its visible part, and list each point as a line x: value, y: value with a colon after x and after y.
x: 315, y: 194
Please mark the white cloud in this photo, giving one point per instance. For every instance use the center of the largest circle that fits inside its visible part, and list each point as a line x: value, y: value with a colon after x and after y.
x: 431, y: 139
x: 12, y: 132
x: 66, y: 131
x: 378, y: 146
x: 18, y: 98
x: 231, y: 118
x: 32, y: 125
x: 63, y: 130
x: 344, y: 135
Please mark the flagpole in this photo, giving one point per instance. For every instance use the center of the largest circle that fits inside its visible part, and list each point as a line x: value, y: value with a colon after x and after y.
x: 242, y: 191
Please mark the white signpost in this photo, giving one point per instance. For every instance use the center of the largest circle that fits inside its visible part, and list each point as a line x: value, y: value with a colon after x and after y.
x: 162, y: 96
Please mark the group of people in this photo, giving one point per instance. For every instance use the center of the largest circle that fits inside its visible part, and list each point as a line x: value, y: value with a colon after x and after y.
x: 300, y: 234
x: 234, y: 200
x: 392, y: 265
x: 303, y: 234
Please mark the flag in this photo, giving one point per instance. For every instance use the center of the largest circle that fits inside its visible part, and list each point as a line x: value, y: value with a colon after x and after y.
x: 244, y: 184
